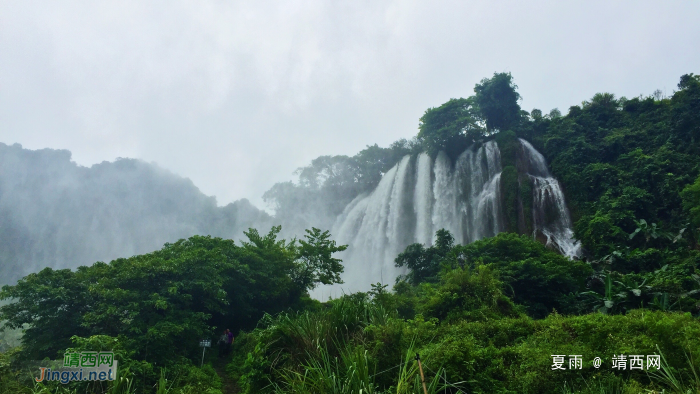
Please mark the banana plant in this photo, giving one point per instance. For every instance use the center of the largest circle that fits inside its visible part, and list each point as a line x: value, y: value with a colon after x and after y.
x: 649, y: 231
x: 606, y: 302
x: 632, y: 290
x: 662, y: 301
x: 654, y: 232
x: 616, y: 293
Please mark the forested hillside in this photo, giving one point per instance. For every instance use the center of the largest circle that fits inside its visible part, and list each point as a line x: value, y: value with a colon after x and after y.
x: 54, y: 213
x: 627, y: 160
x: 485, y: 317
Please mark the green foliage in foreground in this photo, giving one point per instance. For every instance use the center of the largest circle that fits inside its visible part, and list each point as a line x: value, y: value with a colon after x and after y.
x: 468, y: 310
x: 153, y: 309
x: 134, y: 376
x: 424, y: 263
x: 535, y: 277
x: 320, y: 352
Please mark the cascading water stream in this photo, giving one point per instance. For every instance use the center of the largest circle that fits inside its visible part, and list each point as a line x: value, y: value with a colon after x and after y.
x: 423, y: 200
x: 445, y: 212
x: 551, y: 217
x: 398, y: 220
x: 479, y: 175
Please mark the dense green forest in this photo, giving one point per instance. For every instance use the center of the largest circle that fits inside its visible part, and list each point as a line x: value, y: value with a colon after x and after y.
x: 486, y: 317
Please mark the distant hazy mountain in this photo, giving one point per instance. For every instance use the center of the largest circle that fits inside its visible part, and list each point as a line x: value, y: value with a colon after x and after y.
x: 55, y: 213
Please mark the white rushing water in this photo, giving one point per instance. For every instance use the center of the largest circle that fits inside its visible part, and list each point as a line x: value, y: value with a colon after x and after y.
x: 423, y: 200
x: 417, y: 197
x: 550, y: 214
x: 480, y: 172
x: 446, y: 195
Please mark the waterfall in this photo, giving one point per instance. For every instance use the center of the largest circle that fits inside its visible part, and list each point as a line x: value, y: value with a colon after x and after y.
x: 367, y: 244
x: 445, y: 212
x: 468, y: 198
x: 480, y: 171
x: 398, y: 220
x: 423, y: 200
x: 551, y: 217
x: 419, y: 196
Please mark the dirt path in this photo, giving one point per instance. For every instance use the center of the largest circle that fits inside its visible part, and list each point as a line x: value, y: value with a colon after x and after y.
x: 229, y: 385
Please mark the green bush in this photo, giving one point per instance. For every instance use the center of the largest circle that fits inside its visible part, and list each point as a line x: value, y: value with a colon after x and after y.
x: 284, y: 344
x: 468, y: 294
x: 533, y: 276
x: 515, y: 355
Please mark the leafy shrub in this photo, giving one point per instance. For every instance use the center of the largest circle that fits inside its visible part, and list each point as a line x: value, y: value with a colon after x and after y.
x: 533, y: 276
x: 468, y: 294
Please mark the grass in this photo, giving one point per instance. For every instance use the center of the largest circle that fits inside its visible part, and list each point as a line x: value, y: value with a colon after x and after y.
x: 678, y: 383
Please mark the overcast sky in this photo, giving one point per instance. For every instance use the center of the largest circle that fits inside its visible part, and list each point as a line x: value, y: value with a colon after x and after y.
x: 237, y: 95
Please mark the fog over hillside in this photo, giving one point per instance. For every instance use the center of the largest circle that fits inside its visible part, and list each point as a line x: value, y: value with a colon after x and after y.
x: 55, y: 213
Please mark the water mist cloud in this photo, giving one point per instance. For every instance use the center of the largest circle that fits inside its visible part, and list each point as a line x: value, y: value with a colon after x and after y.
x: 237, y: 95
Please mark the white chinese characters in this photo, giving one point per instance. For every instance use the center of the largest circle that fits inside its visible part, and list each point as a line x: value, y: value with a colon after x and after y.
x: 619, y: 362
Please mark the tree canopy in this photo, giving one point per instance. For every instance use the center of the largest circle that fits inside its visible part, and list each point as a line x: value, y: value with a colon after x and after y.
x: 497, y: 100
x: 424, y: 263
x: 162, y: 301
x: 451, y: 127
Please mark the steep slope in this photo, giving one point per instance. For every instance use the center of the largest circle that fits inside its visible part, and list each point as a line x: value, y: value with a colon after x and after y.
x: 54, y: 213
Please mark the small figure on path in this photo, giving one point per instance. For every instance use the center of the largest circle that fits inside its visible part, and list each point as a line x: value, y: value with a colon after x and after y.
x: 229, y: 340
x: 223, y: 343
